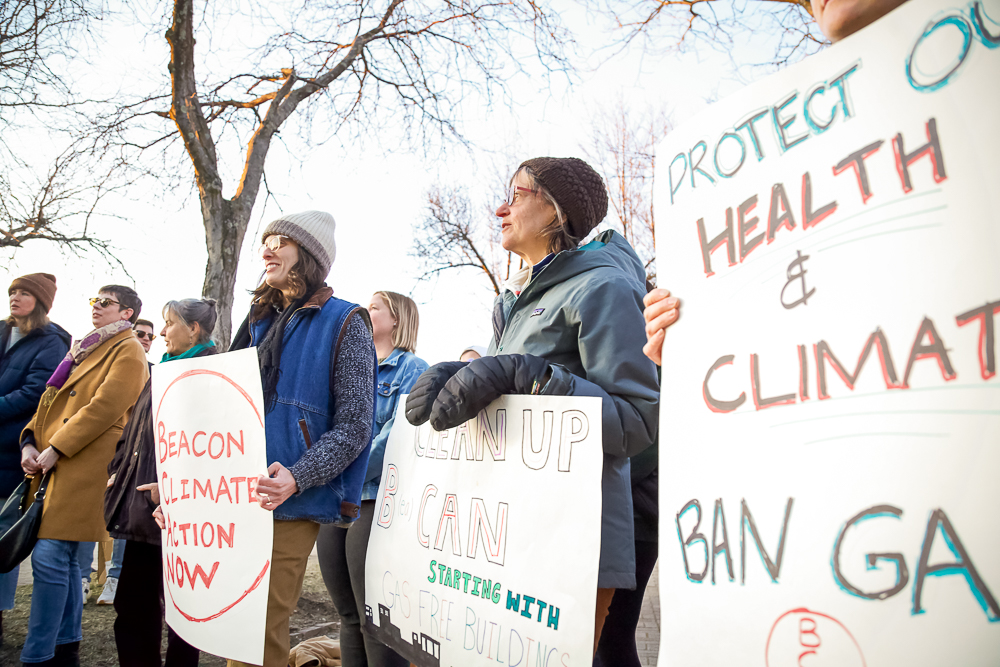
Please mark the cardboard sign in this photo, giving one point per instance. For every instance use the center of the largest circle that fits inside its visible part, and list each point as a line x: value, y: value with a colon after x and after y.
x: 486, y: 539
x: 208, y: 421
x: 830, y: 433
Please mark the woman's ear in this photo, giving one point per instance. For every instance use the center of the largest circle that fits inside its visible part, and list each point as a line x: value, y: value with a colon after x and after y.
x: 196, y: 330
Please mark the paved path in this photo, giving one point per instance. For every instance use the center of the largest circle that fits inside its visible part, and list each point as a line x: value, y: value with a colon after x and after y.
x: 647, y: 633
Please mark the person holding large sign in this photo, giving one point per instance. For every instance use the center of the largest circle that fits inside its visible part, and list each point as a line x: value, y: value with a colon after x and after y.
x: 395, y: 322
x: 132, y: 495
x: 849, y: 418
x: 569, y: 324
x: 317, y: 366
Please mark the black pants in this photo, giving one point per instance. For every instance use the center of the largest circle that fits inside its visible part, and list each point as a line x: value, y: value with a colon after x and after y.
x: 342, y: 562
x: 139, y: 604
x: 617, y: 646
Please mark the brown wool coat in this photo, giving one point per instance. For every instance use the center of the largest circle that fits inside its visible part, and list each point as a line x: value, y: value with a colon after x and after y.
x: 84, y: 422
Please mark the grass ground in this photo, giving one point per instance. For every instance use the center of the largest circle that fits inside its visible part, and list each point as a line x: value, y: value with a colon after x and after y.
x: 98, y: 646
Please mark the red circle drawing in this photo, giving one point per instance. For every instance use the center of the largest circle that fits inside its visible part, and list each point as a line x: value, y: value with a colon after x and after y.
x: 204, y: 371
x: 267, y: 563
x: 803, y: 610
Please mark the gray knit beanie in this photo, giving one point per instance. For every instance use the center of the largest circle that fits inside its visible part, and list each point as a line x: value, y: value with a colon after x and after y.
x: 313, y: 230
x: 577, y: 188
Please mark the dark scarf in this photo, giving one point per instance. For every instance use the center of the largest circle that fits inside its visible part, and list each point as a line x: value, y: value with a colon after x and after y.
x: 269, y: 349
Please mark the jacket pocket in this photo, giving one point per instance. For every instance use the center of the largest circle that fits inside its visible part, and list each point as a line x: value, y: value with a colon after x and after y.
x: 385, y: 401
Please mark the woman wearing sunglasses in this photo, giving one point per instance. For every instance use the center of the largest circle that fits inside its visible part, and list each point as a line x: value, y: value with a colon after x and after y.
x: 568, y: 324
x: 317, y: 367
x: 30, y: 349
x: 132, y: 495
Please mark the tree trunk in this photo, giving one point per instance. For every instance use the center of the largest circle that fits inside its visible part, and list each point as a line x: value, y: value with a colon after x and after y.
x: 225, y: 228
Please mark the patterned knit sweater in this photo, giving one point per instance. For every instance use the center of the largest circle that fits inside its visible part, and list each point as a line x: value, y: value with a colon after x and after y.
x: 354, y: 389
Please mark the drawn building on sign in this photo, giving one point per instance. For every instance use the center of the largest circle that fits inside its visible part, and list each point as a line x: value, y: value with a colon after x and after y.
x: 423, y: 651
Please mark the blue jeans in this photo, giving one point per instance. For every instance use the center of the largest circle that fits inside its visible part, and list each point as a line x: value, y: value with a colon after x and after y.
x: 85, y: 556
x: 116, y: 559
x: 56, y: 599
x: 8, y: 582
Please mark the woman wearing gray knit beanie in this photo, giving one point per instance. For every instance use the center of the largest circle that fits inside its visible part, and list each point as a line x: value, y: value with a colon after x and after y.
x: 317, y: 366
x: 591, y: 321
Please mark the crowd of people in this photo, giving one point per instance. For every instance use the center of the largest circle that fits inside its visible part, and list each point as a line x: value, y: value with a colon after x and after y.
x: 78, y: 411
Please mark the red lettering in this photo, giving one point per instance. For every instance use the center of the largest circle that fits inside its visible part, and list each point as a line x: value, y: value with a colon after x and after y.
x: 206, y: 490
x: 236, y: 486
x: 230, y: 441
x: 183, y: 444
x: 222, y: 445
x: 223, y: 487
x: 200, y: 573
x: 163, y: 486
x: 252, y: 489
x: 194, y: 440
x: 161, y: 441
x: 184, y: 494
x: 810, y: 632
x: 211, y: 534
x: 171, y: 445
x: 226, y: 537
x: 184, y: 529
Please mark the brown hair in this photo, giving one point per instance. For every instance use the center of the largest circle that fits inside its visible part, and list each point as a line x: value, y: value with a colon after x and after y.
x: 404, y: 310
x: 305, y: 278
x: 36, y: 319
x: 558, y: 233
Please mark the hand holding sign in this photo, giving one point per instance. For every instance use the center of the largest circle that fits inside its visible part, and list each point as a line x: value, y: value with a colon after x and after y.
x: 276, y: 488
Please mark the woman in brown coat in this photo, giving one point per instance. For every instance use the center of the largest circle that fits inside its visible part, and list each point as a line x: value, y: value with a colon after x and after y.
x: 74, y: 432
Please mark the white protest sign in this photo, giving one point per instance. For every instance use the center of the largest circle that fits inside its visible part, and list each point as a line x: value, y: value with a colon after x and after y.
x: 208, y: 423
x: 830, y: 434
x: 486, y: 538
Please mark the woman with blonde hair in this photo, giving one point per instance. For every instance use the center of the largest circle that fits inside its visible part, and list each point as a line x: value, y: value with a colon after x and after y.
x: 342, y: 552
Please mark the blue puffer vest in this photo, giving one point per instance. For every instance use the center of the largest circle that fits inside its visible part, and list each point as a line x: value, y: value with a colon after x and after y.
x: 305, y: 404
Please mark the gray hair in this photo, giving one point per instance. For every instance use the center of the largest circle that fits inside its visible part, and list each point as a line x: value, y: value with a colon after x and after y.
x: 190, y: 311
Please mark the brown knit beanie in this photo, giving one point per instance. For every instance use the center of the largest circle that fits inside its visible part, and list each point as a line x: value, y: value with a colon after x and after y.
x: 42, y: 286
x: 577, y: 188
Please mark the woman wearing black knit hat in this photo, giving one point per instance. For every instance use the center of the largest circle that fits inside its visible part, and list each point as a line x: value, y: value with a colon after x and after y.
x: 30, y: 349
x: 591, y: 322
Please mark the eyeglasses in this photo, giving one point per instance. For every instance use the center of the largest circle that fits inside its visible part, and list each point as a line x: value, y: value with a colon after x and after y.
x: 274, y: 243
x: 512, y: 191
x: 105, y: 302
x: 142, y: 334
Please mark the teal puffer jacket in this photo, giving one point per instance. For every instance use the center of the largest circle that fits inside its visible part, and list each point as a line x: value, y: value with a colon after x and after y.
x: 583, y: 314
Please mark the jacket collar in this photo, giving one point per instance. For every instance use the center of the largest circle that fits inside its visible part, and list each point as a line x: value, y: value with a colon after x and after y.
x: 97, y: 357
x: 393, y: 359
x: 319, y: 297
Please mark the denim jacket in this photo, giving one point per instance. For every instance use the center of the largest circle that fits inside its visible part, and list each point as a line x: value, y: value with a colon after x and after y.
x: 396, y: 375
x: 305, y: 405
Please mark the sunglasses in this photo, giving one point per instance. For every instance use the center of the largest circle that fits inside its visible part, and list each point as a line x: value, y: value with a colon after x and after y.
x: 274, y: 243
x: 513, y: 190
x: 104, y: 302
x: 142, y: 334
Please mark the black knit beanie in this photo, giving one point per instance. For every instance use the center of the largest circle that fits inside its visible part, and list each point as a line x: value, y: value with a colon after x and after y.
x: 577, y: 188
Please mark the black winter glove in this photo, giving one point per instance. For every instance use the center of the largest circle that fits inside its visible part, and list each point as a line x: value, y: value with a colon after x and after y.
x: 482, y: 382
x: 426, y: 388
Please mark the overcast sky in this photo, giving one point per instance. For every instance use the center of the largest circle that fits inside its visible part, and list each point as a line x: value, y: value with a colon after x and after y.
x: 375, y: 193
